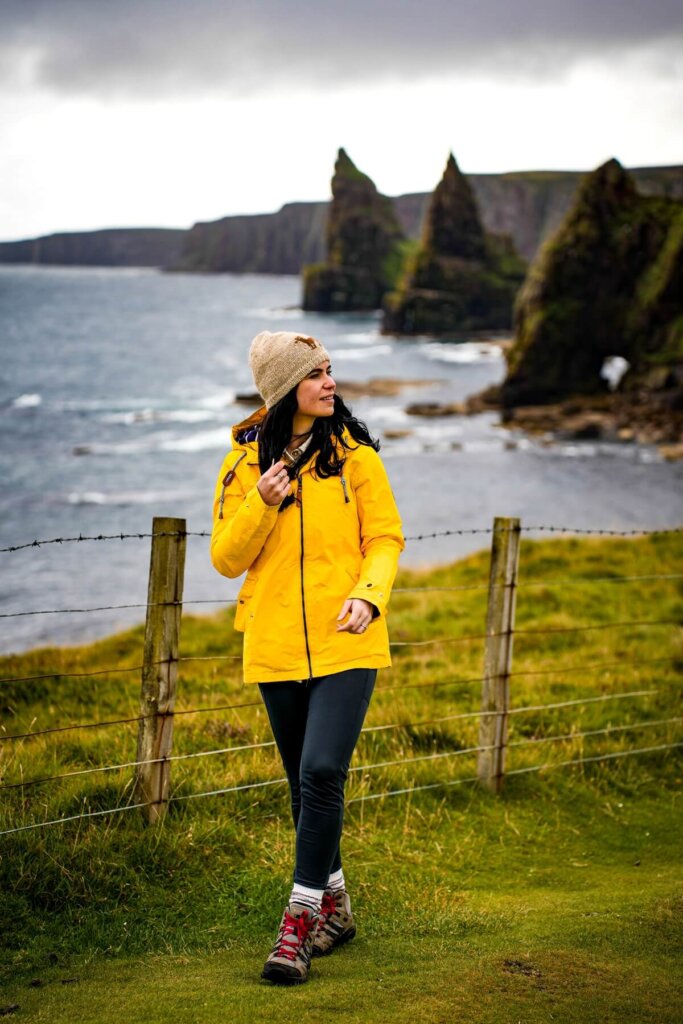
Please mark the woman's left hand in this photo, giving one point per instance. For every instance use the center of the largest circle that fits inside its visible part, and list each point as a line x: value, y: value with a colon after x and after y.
x: 360, y: 614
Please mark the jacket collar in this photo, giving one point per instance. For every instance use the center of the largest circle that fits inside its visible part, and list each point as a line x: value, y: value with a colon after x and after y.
x: 244, y: 436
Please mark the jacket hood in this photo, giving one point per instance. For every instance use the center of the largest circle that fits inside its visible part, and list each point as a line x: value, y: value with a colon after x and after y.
x: 245, y: 433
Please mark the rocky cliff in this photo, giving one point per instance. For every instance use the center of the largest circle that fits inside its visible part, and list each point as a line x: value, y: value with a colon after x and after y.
x: 609, y: 282
x: 461, y: 278
x: 110, y: 247
x: 527, y: 205
x: 265, y: 243
x: 363, y: 238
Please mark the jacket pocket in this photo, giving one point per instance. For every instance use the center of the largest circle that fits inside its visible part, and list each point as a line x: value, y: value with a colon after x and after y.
x: 243, y: 599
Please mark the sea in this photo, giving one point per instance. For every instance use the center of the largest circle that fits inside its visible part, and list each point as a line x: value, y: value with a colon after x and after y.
x: 117, y: 394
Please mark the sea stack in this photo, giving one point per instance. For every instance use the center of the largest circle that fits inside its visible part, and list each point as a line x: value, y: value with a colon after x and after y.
x: 364, y: 246
x: 608, y: 283
x: 461, y: 278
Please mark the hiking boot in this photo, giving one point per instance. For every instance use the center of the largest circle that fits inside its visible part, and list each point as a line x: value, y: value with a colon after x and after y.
x: 290, y: 957
x: 336, y: 925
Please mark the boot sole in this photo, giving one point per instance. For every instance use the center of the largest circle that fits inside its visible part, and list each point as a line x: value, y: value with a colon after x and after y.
x: 341, y: 941
x: 278, y: 975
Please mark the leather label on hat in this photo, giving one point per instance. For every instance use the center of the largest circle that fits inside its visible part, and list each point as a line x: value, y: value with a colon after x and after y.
x: 311, y: 342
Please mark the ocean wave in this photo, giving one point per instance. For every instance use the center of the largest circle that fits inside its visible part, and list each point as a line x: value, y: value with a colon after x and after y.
x: 160, y: 442
x: 360, y: 338
x: 28, y: 401
x: 361, y: 353
x: 143, y: 416
x: 219, y: 400
x: 204, y: 441
x: 390, y: 414
x: 106, y: 405
x: 123, y: 498
x: 274, y: 313
x: 462, y: 352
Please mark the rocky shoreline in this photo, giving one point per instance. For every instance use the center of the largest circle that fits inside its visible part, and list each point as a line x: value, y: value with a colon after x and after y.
x: 641, y: 417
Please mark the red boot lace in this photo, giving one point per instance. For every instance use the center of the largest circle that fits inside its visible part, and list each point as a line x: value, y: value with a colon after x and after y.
x: 293, y: 933
x: 329, y: 906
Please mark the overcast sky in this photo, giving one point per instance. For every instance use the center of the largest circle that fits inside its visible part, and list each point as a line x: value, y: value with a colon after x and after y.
x: 164, y: 112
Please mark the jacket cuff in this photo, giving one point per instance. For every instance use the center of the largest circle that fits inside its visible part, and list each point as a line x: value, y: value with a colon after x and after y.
x: 254, y: 499
x: 373, y: 594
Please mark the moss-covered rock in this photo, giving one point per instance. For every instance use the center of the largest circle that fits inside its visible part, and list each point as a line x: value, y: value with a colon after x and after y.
x: 460, y: 278
x: 364, y: 246
x: 609, y: 282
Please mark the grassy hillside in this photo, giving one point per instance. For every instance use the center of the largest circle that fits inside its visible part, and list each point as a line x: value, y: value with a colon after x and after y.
x: 560, y: 899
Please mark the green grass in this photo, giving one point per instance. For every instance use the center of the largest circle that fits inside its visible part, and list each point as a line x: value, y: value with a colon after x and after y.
x: 559, y: 899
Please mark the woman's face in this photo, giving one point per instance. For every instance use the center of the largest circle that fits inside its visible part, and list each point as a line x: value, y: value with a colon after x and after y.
x: 315, y: 393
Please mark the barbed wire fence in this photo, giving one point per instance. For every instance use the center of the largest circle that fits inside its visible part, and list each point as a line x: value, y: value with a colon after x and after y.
x: 161, y: 659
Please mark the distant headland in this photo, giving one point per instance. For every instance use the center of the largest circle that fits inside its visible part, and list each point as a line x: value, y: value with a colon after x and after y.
x: 526, y: 205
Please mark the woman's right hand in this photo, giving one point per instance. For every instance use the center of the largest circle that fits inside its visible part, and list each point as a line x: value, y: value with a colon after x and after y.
x: 274, y: 485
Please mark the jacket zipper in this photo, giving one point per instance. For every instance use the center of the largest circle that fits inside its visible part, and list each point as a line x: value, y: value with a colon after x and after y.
x: 300, y: 503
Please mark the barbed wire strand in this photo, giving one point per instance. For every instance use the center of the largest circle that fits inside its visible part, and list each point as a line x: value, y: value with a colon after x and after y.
x: 534, y: 632
x: 540, y: 582
x: 516, y: 771
x: 60, y: 674
x: 373, y: 796
x: 372, y: 728
x: 396, y: 590
x: 420, y: 536
x: 383, y: 764
x: 382, y: 728
x: 528, y: 672
x: 104, y: 536
x: 75, y: 675
x: 113, y: 607
x: 518, y: 743
x: 136, y: 718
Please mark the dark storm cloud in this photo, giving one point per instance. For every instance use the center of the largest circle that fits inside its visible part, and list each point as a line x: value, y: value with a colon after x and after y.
x: 176, y: 47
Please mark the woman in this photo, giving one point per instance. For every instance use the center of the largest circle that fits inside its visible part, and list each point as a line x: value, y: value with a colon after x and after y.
x: 303, y: 504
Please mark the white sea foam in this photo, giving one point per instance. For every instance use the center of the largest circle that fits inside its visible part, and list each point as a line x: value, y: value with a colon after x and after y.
x: 204, y: 441
x: 390, y: 414
x: 361, y: 353
x: 27, y: 401
x: 219, y: 400
x: 462, y: 352
x: 360, y: 338
x: 160, y: 416
x: 104, y: 405
x: 123, y: 498
x: 274, y: 313
x: 87, y: 498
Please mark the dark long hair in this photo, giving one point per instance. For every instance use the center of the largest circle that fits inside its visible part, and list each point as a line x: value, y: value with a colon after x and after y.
x: 275, y: 433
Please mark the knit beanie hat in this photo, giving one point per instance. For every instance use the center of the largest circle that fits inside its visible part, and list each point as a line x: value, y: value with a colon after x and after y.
x: 280, y: 360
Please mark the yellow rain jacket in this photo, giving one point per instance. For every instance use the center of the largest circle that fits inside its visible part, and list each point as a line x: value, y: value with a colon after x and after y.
x: 340, y: 539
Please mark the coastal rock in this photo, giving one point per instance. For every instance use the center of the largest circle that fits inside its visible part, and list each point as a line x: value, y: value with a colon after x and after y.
x: 609, y: 283
x: 671, y: 452
x: 460, y: 279
x: 397, y: 435
x: 639, y: 416
x: 431, y: 409
x: 364, y: 240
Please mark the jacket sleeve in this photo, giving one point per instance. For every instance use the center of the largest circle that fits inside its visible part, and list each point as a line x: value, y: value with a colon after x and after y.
x: 240, y: 529
x: 381, y: 535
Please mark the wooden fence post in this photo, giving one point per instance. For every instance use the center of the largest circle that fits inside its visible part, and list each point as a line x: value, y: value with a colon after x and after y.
x: 500, y: 623
x: 160, y: 663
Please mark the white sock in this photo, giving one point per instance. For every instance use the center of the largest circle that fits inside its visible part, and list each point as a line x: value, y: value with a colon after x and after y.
x: 336, y: 881
x: 305, y: 897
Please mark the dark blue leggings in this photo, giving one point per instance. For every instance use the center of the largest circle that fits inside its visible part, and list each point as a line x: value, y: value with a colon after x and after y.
x: 316, y: 724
